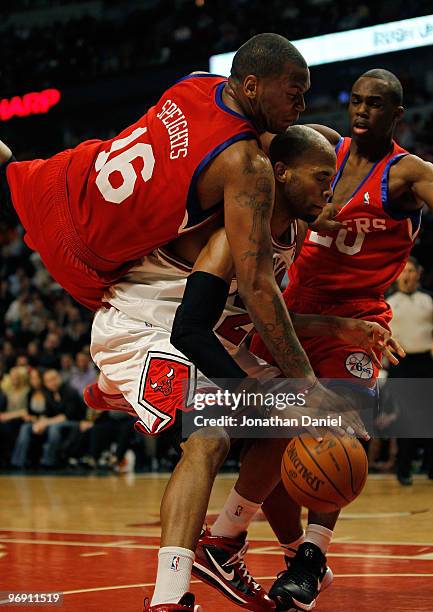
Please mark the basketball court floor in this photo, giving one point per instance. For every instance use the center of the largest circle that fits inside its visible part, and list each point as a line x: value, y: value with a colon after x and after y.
x: 96, y: 538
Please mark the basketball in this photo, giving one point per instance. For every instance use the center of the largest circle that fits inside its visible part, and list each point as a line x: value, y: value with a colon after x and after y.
x: 324, y: 476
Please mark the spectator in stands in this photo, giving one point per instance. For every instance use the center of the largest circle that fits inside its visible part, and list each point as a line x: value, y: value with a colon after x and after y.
x: 50, y: 355
x: 36, y: 407
x: 10, y: 423
x: 76, y: 335
x: 60, y: 410
x: 33, y: 351
x: 15, y: 386
x: 84, y: 372
x: 111, y: 428
x: 70, y: 408
x: 8, y: 355
x: 412, y: 325
x: 67, y: 367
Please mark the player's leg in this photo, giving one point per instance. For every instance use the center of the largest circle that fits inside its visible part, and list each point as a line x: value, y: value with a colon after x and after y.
x: 304, y: 552
x: 139, y: 363
x: 220, y: 552
x: 183, y: 511
x: 219, y: 559
x: 259, y: 474
x: 286, y: 525
x: 307, y: 572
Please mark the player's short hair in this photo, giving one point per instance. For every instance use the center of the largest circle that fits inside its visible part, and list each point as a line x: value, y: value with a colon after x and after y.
x: 265, y: 55
x: 395, y: 88
x: 297, y: 141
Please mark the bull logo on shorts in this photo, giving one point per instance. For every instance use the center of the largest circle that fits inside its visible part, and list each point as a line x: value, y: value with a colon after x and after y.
x: 167, y: 385
x: 164, y: 383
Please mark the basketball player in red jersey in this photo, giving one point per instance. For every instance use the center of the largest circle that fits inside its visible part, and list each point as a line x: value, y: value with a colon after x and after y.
x: 304, y: 163
x: 92, y: 211
x: 378, y: 193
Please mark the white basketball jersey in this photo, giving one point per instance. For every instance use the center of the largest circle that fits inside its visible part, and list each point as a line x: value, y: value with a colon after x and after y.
x: 153, y: 290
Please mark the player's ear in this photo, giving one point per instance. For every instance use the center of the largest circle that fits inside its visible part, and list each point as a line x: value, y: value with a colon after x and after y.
x: 281, y: 172
x: 250, y: 86
x: 399, y: 113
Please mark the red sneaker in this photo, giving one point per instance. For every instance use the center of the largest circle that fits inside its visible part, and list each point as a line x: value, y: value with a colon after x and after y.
x: 98, y: 400
x: 220, y: 563
x: 186, y: 604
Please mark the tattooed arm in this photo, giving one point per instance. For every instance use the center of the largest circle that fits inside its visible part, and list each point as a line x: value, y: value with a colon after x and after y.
x: 248, y: 201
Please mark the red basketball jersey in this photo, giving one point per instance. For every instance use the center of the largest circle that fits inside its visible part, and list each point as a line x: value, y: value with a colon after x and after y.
x: 365, y: 257
x: 136, y: 192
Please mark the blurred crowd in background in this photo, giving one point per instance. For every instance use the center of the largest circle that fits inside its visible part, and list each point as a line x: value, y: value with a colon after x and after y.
x: 107, y: 38
x: 45, y: 335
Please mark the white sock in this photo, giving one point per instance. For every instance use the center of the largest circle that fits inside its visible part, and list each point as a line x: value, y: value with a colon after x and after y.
x: 174, y: 574
x: 290, y: 549
x: 235, y: 517
x: 320, y: 536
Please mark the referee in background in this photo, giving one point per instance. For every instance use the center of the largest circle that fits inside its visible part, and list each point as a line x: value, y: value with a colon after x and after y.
x: 412, y: 325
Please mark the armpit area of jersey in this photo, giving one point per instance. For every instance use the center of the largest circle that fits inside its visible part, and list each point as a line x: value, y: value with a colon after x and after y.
x: 202, y: 305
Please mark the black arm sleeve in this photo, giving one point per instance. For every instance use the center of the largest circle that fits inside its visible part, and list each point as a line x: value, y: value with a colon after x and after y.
x: 202, y: 305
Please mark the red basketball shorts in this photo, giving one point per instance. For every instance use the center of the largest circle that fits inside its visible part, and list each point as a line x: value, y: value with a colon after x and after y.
x: 330, y: 357
x: 39, y: 195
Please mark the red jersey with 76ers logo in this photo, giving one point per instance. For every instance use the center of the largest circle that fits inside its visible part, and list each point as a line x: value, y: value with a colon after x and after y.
x: 138, y: 191
x: 93, y: 211
x: 366, y: 256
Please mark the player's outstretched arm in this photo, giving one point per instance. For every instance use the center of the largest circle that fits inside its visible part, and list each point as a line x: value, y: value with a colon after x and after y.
x: 248, y: 202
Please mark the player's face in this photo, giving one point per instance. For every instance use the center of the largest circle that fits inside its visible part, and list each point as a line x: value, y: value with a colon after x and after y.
x: 408, y: 280
x: 372, y: 112
x: 280, y: 100
x: 308, y: 186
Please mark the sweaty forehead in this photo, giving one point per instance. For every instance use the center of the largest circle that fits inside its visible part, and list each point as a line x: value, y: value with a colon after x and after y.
x: 369, y: 86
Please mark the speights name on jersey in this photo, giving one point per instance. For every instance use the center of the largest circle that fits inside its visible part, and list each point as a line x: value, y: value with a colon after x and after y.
x: 177, y: 127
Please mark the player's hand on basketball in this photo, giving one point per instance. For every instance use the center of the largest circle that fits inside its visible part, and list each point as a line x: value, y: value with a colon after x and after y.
x: 322, y: 403
x: 372, y: 337
x: 325, y: 222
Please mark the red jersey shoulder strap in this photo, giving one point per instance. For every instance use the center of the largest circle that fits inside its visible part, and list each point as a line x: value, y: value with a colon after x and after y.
x: 395, y: 155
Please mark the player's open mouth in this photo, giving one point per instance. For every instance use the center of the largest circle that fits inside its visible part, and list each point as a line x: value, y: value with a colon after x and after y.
x: 360, y: 128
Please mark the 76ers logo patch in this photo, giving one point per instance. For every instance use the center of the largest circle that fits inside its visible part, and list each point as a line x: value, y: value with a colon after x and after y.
x: 167, y: 385
x: 359, y: 365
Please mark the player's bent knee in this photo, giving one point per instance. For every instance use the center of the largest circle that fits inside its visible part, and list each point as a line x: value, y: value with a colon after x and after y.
x: 209, y: 446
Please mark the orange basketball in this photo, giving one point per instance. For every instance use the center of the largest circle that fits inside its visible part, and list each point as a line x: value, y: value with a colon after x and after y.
x: 324, y: 476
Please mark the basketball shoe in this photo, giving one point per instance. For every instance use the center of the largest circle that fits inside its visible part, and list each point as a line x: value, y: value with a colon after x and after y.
x: 98, y: 400
x: 298, y: 587
x: 219, y: 562
x: 186, y: 604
